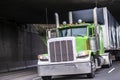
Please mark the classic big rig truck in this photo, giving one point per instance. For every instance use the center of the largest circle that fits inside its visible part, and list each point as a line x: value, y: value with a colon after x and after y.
x: 78, y: 47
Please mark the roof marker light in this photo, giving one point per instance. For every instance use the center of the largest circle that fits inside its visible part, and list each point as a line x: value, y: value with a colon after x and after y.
x: 79, y: 21
x: 64, y: 22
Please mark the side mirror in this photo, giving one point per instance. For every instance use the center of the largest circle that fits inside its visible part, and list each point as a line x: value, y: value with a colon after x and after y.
x: 51, y: 33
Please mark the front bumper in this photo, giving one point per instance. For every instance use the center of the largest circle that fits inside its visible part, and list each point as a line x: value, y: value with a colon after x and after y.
x: 64, y: 69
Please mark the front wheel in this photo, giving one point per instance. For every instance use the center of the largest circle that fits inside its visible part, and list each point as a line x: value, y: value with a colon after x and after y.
x: 92, y: 74
x: 46, y: 78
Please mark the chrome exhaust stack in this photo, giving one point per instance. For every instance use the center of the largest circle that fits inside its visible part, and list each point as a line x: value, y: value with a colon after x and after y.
x: 70, y: 18
x: 57, y: 20
x: 97, y: 30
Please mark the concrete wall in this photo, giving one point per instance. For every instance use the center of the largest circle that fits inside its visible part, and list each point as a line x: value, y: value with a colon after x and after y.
x: 19, y: 46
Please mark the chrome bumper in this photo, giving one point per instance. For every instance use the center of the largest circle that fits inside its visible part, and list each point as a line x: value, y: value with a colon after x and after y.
x: 64, y: 69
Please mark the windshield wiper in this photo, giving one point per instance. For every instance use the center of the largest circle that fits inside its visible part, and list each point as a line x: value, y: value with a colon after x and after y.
x: 80, y: 35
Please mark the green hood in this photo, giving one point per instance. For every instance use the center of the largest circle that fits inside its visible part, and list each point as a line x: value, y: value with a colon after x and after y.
x: 81, y: 43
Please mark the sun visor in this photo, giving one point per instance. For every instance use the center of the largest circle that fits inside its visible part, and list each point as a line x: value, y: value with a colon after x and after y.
x: 87, y: 16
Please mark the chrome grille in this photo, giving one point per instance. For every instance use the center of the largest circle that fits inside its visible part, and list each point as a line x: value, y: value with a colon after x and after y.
x: 61, y: 51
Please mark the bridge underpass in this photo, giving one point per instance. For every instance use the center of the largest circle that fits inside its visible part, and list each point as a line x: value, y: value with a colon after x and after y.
x: 30, y: 11
x: 20, y: 43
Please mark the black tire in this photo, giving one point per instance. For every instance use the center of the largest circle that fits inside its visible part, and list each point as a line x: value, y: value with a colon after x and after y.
x: 92, y: 74
x: 117, y: 58
x: 46, y: 78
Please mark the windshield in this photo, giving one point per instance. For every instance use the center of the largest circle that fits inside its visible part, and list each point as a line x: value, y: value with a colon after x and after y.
x: 81, y: 31
x: 65, y: 32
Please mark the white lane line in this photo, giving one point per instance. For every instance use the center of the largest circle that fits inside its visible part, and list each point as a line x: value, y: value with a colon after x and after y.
x: 111, y: 70
x: 37, y: 78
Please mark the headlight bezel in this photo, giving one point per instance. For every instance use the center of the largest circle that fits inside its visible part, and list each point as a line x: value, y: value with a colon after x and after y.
x: 83, y: 54
x: 42, y: 57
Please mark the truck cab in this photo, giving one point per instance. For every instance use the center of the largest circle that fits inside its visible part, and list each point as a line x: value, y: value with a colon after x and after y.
x: 81, y: 32
x: 73, y: 49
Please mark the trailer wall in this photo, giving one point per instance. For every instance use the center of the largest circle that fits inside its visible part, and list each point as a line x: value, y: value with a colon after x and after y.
x: 111, y: 28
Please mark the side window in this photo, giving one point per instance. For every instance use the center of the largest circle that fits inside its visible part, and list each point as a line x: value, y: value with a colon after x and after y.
x: 90, y: 31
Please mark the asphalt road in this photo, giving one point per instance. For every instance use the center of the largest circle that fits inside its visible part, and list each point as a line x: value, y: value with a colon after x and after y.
x: 112, y: 73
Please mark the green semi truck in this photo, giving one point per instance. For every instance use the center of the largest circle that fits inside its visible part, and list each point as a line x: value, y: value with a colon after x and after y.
x: 75, y: 48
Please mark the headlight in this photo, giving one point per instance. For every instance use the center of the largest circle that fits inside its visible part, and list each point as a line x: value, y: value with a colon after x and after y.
x: 83, y: 54
x: 42, y: 57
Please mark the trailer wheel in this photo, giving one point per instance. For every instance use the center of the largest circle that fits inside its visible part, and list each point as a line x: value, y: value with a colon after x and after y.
x: 117, y: 58
x: 92, y: 74
x: 46, y: 78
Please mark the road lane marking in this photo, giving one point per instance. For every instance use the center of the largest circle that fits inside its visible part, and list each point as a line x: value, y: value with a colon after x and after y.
x: 111, y: 70
x: 37, y: 78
